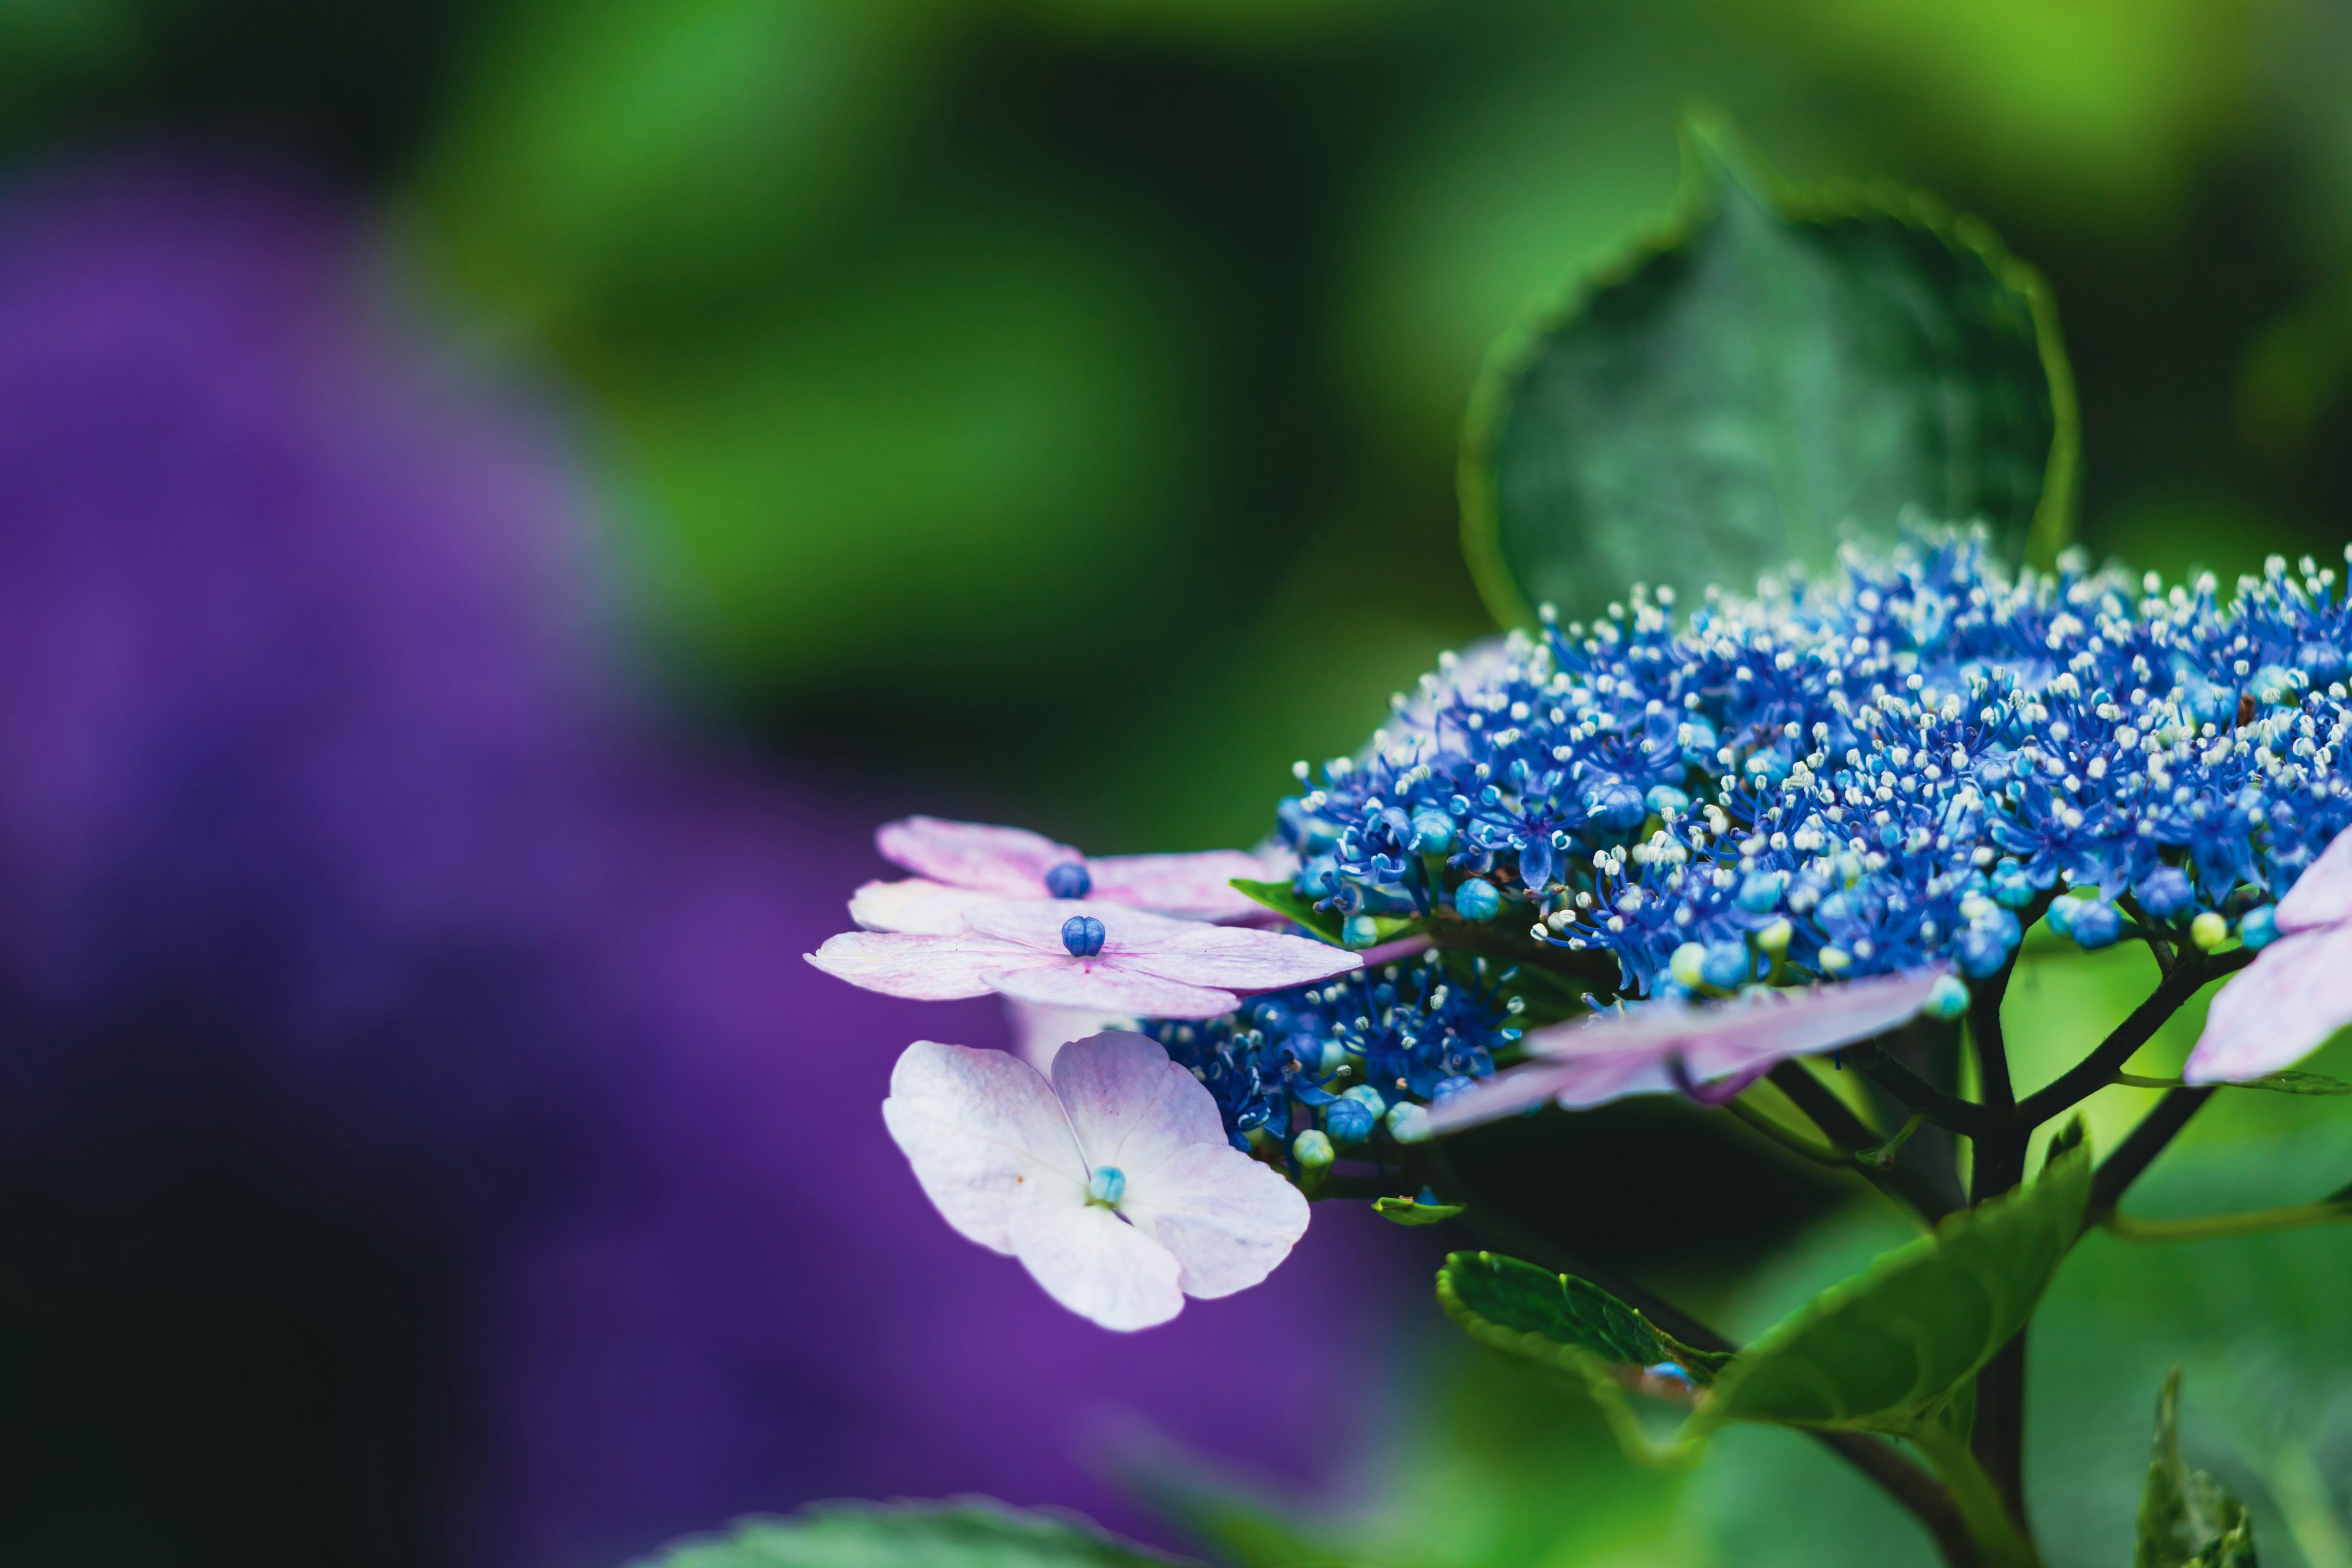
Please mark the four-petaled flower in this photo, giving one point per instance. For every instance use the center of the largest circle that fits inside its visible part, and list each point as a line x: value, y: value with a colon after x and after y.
x: 1114, y: 1183
x: 957, y: 864
x: 1710, y: 1052
x: 1108, y: 960
x: 2298, y: 990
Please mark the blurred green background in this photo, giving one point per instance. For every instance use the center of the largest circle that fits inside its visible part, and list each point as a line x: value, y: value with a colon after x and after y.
x: 1057, y: 399
x: 1054, y: 402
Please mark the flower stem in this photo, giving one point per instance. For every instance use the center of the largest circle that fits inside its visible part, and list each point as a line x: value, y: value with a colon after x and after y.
x: 1998, y: 1539
x: 2256, y: 1222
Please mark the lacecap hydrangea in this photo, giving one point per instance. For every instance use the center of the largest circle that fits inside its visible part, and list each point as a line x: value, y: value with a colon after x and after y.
x: 1908, y: 762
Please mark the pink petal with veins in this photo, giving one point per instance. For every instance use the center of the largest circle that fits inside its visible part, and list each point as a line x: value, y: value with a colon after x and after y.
x: 2279, y: 1009
x: 922, y: 968
x: 1096, y: 986
x: 1195, y: 887
x: 1011, y: 862
x: 1716, y: 1049
x: 914, y: 904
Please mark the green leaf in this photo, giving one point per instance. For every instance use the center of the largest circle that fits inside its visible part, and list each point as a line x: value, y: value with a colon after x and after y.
x: 1557, y: 1318
x: 1885, y: 1351
x: 1774, y: 370
x: 2186, y: 1518
x: 1412, y: 1211
x: 969, y: 1532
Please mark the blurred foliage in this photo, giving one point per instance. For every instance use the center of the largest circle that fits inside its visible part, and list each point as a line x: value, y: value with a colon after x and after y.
x: 1069, y: 387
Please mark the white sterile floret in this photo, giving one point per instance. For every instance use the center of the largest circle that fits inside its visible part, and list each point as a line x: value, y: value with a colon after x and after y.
x: 1113, y: 1184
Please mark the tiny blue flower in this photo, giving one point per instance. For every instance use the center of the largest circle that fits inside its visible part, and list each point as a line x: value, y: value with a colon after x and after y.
x: 1950, y: 999
x: 1107, y: 1186
x: 1726, y: 965
x: 1433, y: 832
x: 2165, y: 893
x: 1069, y: 880
x: 2096, y: 924
x: 1665, y: 800
x: 2259, y: 928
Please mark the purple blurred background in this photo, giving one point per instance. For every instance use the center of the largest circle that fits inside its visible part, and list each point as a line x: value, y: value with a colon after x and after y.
x: 413, y: 1102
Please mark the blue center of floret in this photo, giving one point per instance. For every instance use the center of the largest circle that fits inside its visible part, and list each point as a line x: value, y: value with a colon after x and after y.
x: 1083, y: 935
x: 1069, y: 881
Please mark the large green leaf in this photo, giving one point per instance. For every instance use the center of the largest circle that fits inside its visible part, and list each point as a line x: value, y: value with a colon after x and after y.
x: 1884, y: 1350
x: 969, y: 1532
x: 2186, y: 1518
x: 1775, y: 370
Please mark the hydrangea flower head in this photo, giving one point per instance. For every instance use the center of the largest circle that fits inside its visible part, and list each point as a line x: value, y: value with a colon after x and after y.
x: 1899, y: 766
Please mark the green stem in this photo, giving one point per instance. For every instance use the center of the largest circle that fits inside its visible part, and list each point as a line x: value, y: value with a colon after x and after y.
x: 1998, y: 1540
x: 2256, y: 1222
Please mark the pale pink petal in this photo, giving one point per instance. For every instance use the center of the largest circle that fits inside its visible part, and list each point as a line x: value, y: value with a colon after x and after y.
x: 2321, y: 896
x: 985, y: 1136
x: 1007, y: 861
x: 1037, y: 923
x: 1742, y: 1036
x: 1194, y: 886
x: 1715, y: 1050
x: 1095, y: 985
x: 2279, y: 1009
x: 1097, y: 1265
x: 1131, y: 1106
x: 1040, y: 1032
x: 914, y: 905
x: 1229, y: 1219
x: 924, y: 968
x: 1390, y: 951
x: 1236, y: 958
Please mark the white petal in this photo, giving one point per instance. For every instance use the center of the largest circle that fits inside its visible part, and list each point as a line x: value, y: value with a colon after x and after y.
x: 1228, y: 1219
x: 2280, y: 1009
x: 985, y: 1135
x: 2321, y: 896
x: 1131, y: 1106
x: 1007, y: 861
x: 914, y: 905
x: 925, y: 968
x: 1097, y: 1265
x: 1040, y: 1032
x: 1095, y: 985
x: 1235, y: 958
x: 1037, y: 923
x: 1191, y: 887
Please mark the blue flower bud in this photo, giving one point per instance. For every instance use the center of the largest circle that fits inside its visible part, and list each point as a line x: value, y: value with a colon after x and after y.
x: 1408, y: 1122
x: 1365, y: 1095
x: 2096, y: 924
x: 1767, y: 766
x: 2323, y: 662
x: 2061, y: 915
x: 2210, y: 704
x: 1760, y: 891
x: 1949, y: 999
x: 1348, y: 1121
x: 1083, y: 935
x: 1666, y: 800
x: 2259, y: 928
x: 1107, y: 1186
x: 1447, y: 1088
x: 2165, y: 893
x: 1614, y: 804
x: 1433, y: 832
x: 1476, y: 900
x: 2012, y: 887
x: 1726, y: 965
x: 1309, y: 834
x: 1688, y: 966
x: 1700, y: 742
x: 1069, y: 880
x: 1981, y: 952
x: 1359, y: 932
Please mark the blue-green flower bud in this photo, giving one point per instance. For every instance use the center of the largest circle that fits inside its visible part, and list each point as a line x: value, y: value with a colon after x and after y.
x: 1949, y: 999
x: 1406, y: 1123
x: 1313, y: 1151
x: 1107, y: 1186
x: 1359, y: 932
x: 2259, y: 928
x: 1688, y: 966
x: 1433, y: 832
x: 1773, y: 940
x: 1476, y: 900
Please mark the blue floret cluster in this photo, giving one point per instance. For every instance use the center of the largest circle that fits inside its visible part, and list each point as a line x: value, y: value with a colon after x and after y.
x: 1911, y: 762
x: 1356, y: 1056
